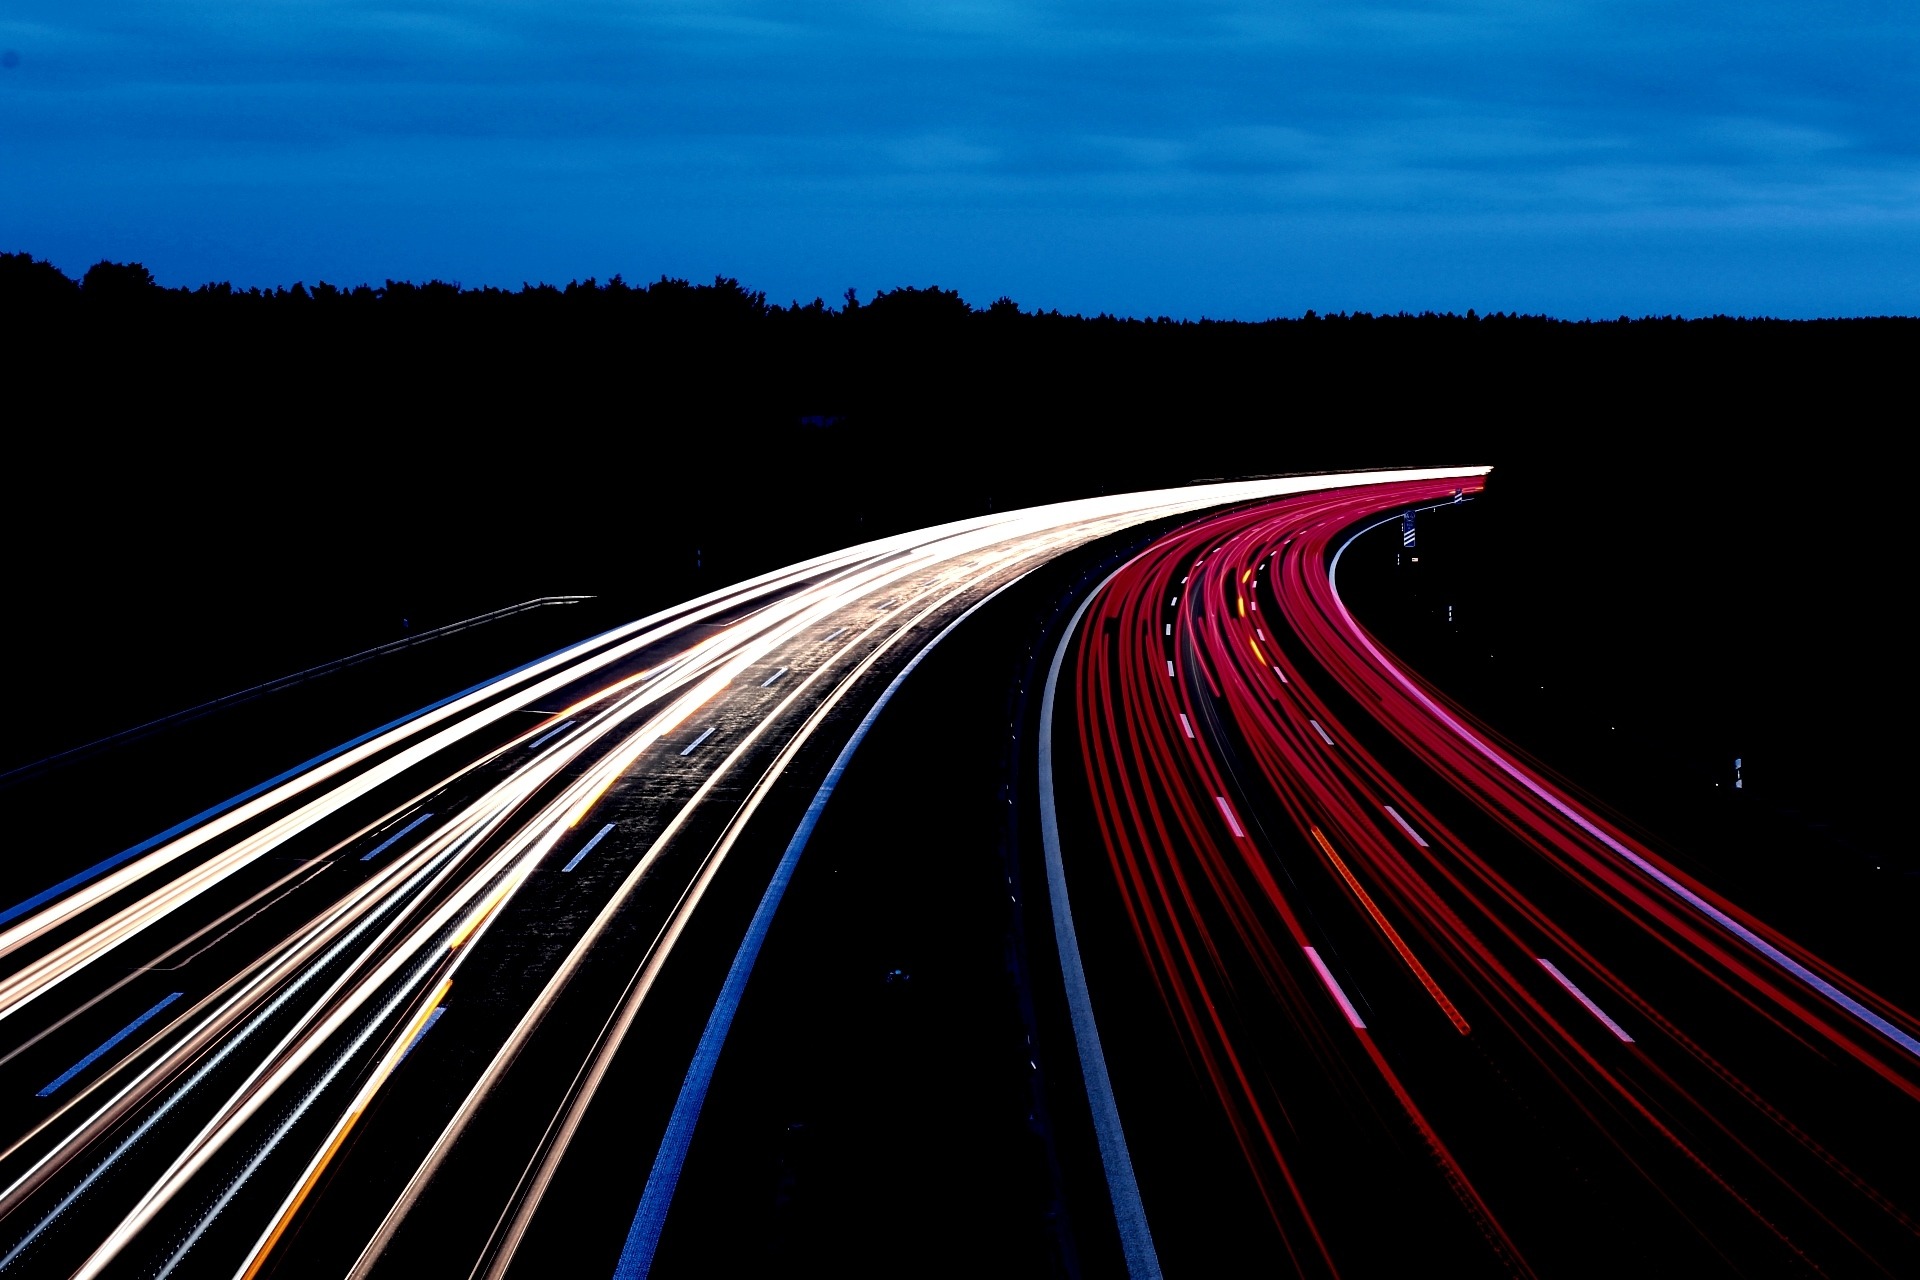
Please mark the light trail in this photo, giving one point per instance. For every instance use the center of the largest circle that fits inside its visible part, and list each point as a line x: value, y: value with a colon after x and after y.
x: 643, y: 1236
x: 501, y: 1249
x: 1391, y: 934
x: 257, y: 1256
x: 843, y: 575
x: 1333, y: 845
x: 509, y: 1052
x: 280, y: 1041
x: 1773, y: 949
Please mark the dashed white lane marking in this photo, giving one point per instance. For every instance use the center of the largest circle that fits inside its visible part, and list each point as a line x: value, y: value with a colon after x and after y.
x: 549, y: 733
x: 1581, y: 996
x: 588, y: 848
x: 1326, y: 976
x: 1404, y: 825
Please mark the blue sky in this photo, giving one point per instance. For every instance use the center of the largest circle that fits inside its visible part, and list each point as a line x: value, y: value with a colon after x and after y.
x: 1229, y: 158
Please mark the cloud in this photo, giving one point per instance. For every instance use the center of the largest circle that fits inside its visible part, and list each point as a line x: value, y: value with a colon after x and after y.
x: 1443, y: 115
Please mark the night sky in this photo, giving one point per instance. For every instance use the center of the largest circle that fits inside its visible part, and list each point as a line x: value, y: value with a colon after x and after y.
x: 1227, y: 158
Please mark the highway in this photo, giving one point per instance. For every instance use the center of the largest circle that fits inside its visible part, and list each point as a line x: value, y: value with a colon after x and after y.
x: 357, y: 1019
x: 1312, y: 973
x: 1445, y: 1014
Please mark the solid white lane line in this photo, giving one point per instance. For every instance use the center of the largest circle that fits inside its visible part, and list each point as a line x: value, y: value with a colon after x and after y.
x: 1581, y: 996
x: 1322, y: 732
x: 601, y: 835
x: 1326, y: 976
x: 1232, y: 822
x: 768, y: 682
x: 643, y: 1236
x: 704, y: 735
x: 1123, y: 1188
x: 1186, y: 724
x: 1404, y: 826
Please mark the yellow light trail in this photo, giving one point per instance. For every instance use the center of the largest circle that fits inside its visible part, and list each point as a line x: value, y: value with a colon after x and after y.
x: 458, y: 888
x: 264, y: 1246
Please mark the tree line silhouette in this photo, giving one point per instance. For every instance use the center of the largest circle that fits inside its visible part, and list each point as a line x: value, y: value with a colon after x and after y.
x: 922, y: 404
x: 27, y: 283
x: 207, y: 478
x: 1080, y: 399
x: 319, y: 452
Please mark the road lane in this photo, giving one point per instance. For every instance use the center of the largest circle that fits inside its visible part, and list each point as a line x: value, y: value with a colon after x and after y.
x: 312, y: 924
x: 1297, y: 784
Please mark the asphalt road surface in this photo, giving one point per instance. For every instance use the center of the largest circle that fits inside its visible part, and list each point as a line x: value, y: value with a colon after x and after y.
x: 1447, y: 1016
x: 363, y: 1018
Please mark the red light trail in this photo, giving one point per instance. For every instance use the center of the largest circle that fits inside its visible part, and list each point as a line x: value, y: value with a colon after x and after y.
x: 1312, y: 846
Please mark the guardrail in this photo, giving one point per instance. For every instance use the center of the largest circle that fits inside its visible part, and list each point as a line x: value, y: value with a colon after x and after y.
x: 47, y: 764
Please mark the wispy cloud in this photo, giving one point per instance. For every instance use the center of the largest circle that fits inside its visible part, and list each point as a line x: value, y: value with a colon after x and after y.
x: 489, y: 138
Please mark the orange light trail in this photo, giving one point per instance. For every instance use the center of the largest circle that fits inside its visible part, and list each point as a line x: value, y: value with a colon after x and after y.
x: 1393, y: 936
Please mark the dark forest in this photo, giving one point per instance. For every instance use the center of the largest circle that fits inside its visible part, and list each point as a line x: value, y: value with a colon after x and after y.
x: 1692, y: 524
